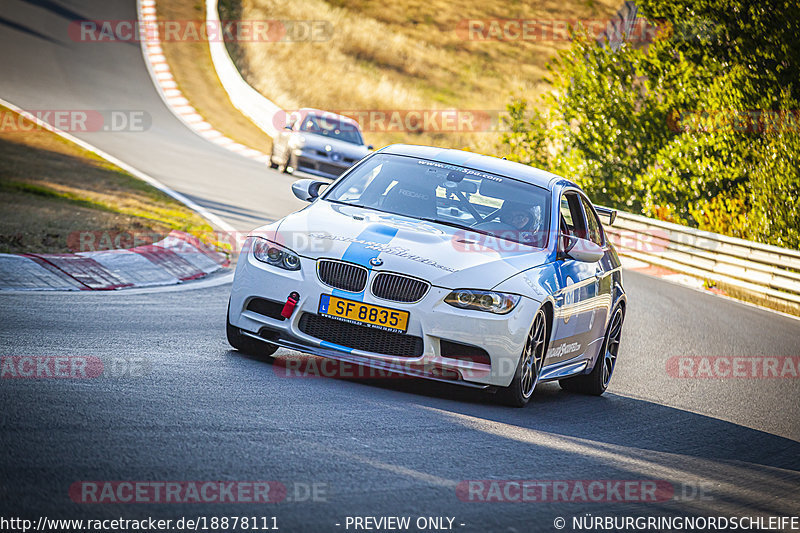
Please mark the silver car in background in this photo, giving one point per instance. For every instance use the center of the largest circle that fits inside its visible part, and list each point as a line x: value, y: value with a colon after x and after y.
x: 318, y: 142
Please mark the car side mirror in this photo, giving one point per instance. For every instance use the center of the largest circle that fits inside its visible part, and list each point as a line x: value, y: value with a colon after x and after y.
x: 370, y: 147
x: 288, y: 127
x: 582, y: 250
x: 307, y: 189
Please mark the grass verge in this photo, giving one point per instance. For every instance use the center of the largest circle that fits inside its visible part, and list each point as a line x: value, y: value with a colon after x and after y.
x: 51, y: 190
x: 762, y: 300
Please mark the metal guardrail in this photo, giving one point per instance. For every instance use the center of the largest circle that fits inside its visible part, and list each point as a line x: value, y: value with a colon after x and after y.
x: 770, y: 271
x: 620, y: 26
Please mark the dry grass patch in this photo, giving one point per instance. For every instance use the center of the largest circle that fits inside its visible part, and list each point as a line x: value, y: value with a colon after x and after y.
x: 404, y: 55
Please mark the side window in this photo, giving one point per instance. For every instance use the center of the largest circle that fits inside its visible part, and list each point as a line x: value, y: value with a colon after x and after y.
x: 593, y: 225
x: 566, y: 215
x: 572, y: 221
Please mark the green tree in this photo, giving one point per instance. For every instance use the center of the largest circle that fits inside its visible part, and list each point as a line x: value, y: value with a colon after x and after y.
x: 677, y: 128
x: 525, y: 135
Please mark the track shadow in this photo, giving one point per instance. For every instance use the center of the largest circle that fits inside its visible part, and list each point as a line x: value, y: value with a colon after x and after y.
x: 723, y: 467
x: 27, y: 30
x: 57, y: 9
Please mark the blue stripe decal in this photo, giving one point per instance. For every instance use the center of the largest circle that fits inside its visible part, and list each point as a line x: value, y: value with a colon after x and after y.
x: 326, y: 344
x: 361, y: 254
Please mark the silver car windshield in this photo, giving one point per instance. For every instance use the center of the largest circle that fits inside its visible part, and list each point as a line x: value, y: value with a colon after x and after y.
x: 448, y: 194
x: 331, y: 127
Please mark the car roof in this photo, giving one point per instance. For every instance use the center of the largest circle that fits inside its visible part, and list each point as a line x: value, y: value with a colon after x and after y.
x: 329, y: 114
x: 485, y: 163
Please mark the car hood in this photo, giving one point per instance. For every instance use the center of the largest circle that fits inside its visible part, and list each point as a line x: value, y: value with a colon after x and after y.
x: 445, y: 256
x: 319, y: 142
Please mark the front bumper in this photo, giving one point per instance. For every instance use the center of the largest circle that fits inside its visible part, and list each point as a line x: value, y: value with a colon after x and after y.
x: 432, y: 320
x: 312, y: 163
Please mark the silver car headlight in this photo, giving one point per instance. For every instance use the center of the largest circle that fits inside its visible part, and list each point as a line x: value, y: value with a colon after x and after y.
x: 498, y: 303
x: 274, y: 254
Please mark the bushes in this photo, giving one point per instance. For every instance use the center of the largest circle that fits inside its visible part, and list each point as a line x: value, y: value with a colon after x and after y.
x: 684, y: 128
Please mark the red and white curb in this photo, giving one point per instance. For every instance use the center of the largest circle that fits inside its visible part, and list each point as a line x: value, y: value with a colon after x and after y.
x: 177, y: 258
x: 168, y: 88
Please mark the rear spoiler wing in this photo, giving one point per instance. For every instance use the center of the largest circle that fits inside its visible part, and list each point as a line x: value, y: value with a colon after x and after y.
x: 611, y: 214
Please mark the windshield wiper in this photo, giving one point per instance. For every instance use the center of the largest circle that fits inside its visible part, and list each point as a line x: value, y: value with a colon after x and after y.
x: 444, y: 223
x: 424, y: 219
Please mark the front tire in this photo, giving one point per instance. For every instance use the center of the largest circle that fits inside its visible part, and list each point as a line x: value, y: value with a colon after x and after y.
x: 530, y: 365
x: 248, y: 345
x: 596, y: 382
x: 291, y: 164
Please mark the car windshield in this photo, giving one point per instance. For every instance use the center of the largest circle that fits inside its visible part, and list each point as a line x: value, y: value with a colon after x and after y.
x: 331, y: 127
x: 448, y: 194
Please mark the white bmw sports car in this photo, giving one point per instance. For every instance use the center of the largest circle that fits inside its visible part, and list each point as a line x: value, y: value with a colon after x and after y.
x: 439, y: 264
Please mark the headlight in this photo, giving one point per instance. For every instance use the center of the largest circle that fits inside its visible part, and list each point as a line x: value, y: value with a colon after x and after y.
x: 489, y: 301
x: 297, y: 141
x: 275, y: 254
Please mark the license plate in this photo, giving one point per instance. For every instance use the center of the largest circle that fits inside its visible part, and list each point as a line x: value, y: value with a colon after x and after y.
x: 363, y: 314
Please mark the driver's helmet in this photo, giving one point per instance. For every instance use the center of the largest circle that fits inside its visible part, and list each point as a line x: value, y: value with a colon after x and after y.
x: 524, y: 219
x: 518, y: 215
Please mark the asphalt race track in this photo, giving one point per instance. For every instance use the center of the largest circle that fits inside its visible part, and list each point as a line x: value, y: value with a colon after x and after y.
x: 200, y: 411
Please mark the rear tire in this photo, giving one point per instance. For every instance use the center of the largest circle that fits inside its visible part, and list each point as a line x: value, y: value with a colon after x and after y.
x: 282, y: 167
x: 530, y: 365
x: 248, y: 345
x: 596, y: 382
